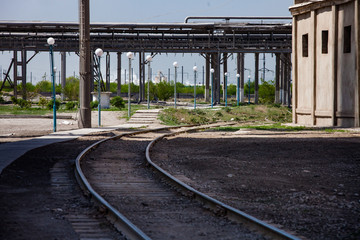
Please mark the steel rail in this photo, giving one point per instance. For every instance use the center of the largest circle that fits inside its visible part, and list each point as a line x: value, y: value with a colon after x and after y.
x: 216, y: 205
x: 120, y: 221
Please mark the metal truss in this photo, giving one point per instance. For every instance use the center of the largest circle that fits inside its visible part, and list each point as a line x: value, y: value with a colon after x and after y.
x: 228, y: 37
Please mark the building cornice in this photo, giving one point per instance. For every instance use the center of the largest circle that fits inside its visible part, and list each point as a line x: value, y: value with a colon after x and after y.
x: 312, y: 5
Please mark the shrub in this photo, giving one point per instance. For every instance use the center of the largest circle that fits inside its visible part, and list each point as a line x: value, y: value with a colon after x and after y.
x: 227, y: 109
x: 218, y: 114
x: 43, y: 102
x: 2, y: 99
x: 51, y: 103
x: 70, y: 105
x: 94, y: 104
x: 23, y: 103
x: 14, y: 99
x: 118, y: 102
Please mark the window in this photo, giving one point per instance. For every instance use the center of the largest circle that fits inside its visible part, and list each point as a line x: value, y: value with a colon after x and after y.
x: 305, y: 45
x: 324, y: 40
x: 347, y: 39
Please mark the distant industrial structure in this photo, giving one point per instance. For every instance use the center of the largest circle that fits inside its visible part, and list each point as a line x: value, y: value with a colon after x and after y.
x: 325, y: 62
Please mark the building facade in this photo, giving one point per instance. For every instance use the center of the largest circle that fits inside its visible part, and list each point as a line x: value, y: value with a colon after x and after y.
x: 325, y: 47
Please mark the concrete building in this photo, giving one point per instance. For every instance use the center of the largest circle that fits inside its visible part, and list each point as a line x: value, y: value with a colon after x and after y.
x: 325, y: 47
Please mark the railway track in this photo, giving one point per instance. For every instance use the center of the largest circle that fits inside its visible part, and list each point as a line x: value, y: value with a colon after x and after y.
x: 152, y: 204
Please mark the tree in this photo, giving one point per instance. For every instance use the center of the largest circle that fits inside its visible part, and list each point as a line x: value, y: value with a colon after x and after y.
x: 164, y: 90
x: 71, y: 89
x: 266, y: 92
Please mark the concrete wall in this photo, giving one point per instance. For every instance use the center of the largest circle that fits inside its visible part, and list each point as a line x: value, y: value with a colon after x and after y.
x: 305, y: 71
x: 346, y: 71
x: 326, y: 85
x: 324, y: 64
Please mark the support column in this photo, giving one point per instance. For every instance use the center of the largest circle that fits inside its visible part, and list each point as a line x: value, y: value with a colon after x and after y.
x: 242, y: 75
x: 215, y: 64
x: 207, y: 78
x: 217, y: 77
x: 84, y: 69
x: 63, y: 74
x: 118, y: 74
x: 224, y: 71
x: 286, y: 79
x: 256, y: 90
x: 140, y: 76
x: 282, y: 78
x: 23, y: 72
x: 277, y: 79
x: 182, y: 74
x: 203, y: 75
x: 92, y: 73
x: 108, y: 72
x: 143, y: 77
x: 15, y: 73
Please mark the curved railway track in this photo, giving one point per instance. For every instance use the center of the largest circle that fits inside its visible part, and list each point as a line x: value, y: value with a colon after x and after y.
x: 143, y: 204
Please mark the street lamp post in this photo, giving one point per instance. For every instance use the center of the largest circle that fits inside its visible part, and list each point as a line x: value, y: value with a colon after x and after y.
x: 175, y: 64
x: 130, y: 56
x: 51, y: 42
x: 237, y: 89
x: 195, y: 70
x: 148, y: 59
x: 226, y: 77
x: 212, y: 87
x: 99, y: 52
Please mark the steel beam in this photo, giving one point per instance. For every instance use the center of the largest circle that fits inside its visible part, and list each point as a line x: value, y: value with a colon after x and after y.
x: 107, y: 72
x: 277, y: 78
x: 118, y: 73
x: 63, y: 74
x: 15, y: 58
x: 224, y: 71
x: 23, y: 73
x: 207, y: 77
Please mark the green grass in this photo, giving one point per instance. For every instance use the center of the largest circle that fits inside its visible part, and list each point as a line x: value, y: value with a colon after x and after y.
x: 278, y: 127
x: 36, y: 110
x: 16, y: 110
x: 332, y: 130
x: 272, y: 127
x: 275, y: 127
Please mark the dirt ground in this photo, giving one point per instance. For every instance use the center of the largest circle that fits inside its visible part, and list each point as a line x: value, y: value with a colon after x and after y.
x: 15, y: 129
x: 307, y: 183
x: 41, y: 199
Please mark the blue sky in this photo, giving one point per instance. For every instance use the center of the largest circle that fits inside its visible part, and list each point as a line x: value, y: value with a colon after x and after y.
x: 137, y: 11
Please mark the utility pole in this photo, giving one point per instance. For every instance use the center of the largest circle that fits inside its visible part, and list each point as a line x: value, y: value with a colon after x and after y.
x: 84, y: 68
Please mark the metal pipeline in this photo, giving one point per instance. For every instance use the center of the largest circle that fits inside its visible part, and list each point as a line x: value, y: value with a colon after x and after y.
x: 227, y: 18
